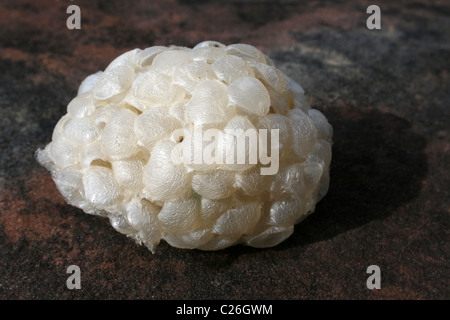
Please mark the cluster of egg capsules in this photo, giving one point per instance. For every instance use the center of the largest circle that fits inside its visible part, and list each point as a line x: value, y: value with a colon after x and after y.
x: 110, y: 154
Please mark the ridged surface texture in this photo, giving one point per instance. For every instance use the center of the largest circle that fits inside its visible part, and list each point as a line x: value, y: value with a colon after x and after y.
x: 110, y: 155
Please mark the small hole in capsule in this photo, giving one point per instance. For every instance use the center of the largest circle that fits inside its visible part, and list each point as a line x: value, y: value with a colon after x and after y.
x: 180, y: 139
x: 101, y: 163
x: 134, y: 109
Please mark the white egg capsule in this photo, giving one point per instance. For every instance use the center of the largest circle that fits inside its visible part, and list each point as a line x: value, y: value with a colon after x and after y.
x: 174, y: 144
x: 208, y: 103
x: 164, y: 179
x: 118, y: 139
x: 250, y: 95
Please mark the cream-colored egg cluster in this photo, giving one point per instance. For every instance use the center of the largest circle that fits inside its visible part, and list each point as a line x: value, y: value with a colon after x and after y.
x: 110, y: 154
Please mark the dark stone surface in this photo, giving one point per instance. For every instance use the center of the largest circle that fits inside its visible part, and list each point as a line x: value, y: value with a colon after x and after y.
x: 384, y: 91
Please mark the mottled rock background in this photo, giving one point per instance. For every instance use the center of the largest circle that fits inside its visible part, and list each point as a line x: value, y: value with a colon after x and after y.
x: 386, y: 92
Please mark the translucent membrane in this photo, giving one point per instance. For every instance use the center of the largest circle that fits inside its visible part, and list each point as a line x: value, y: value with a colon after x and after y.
x: 166, y: 143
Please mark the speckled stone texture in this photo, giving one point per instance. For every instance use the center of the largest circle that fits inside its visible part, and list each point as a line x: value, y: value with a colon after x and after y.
x: 384, y: 91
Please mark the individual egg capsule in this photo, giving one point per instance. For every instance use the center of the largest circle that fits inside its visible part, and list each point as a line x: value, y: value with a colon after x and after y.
x: 295, y: 87
x: 190, y: 240
x: 212, y: 209
x: 270, y: 237
x: 58, y: 131
x: 163, y: 178
x: 145, y: 57
x: 141, y: 215
x: 209, y: 44
x: 113, y: 82
x: 215, y: 184
x: 304, y: 133
x: 250, y: 181
x: 287, y: 212
x: 125, y: 59
x: 154, y: 125
x: 208, y: 103
x: 118, y: 138
x: 119, y: 223
x: 191, y: 74
x: 100, y: 187
x: 93, y: 153
x: 239, y: 220
x: 281, y: 123
x: 81, y: 106
x: 269, y: 75
x: 288, y: 181
x: 89, y: 83
x: 312, y: 173
x: 250, y: 95
x: 280, y: 102
x: 128, y: 173
x: 180, y: 216
x: 81, y: 131
x: 229, y: 68
x: 168, y: 61
x: 153, y: 88
x: 207, y: 54
x: 324, y: 129
x: 68, y: 181
x: 246, y: 51
x: 64, y: 153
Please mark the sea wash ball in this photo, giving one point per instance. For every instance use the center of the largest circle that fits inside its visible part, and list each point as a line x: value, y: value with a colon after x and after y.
x: 134, y: 143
